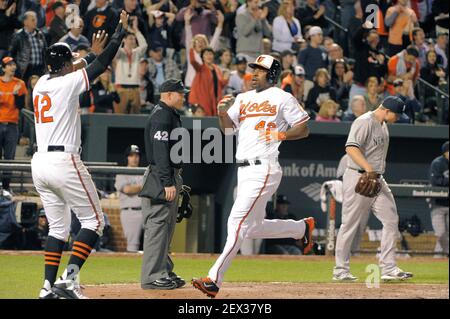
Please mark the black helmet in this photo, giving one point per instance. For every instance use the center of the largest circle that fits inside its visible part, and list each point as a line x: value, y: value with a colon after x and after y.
x: 269, y: 63
x: 57, y: 55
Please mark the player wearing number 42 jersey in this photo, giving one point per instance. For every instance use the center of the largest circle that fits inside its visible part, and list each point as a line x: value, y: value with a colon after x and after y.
x: 261, y: 119
x: 59, y: 175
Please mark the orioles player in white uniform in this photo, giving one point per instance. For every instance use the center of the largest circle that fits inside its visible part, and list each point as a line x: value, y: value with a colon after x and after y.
x: 262, y: 118
x: 59, y: 175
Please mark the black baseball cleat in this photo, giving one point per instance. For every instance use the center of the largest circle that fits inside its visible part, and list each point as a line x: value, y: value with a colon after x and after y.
x: 177, y: 279
x: 47, y: 294
x: 68, y: 289
x: 307, y: 241
x: 161, y: 284
x: 206, y: 285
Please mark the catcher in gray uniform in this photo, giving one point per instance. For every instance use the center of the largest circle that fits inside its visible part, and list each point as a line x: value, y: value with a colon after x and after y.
x: 365, y: 190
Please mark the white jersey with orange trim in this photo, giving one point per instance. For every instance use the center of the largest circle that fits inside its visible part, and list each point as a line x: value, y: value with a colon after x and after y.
x: 56, y: 109
x: 272, y: 109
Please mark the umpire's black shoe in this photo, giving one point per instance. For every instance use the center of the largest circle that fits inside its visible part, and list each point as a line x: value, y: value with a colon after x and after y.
x: 162, y: 284
x: 177, y: 279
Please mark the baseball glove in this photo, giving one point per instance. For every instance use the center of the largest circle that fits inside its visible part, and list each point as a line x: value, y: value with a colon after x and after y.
x: 224, y: 104
x: 184, y: 203
x: 368, y: 184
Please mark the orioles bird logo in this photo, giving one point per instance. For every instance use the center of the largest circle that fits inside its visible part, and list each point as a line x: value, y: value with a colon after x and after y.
x: 260, y: 59
x: 98, y: 21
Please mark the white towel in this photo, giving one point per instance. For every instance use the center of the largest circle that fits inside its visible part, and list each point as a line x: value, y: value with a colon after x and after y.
x: 335, y: 187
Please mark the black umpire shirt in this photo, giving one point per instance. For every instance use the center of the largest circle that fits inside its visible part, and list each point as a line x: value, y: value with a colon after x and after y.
x: 160, y: 124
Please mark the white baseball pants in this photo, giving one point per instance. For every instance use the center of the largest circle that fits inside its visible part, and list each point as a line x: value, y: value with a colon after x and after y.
x: 256, y: 185
x: 64, y: 184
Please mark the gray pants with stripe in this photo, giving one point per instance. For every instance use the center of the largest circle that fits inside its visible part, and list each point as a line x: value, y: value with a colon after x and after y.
x: 159, y: 226
x: 439, y: 220
x: 354, y: 209
x: 132, y: 227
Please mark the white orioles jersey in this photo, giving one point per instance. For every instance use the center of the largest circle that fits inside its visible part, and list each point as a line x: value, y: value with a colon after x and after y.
x: 56, y: 109
x: 271, y: 109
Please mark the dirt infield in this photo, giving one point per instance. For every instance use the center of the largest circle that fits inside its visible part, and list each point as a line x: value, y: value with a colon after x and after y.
x: 278, y: 291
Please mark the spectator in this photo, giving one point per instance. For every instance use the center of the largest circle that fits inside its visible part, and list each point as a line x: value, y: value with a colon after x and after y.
x: 8, y: 23
x: 209, y: 82
x: 321, y: 92
x: 128, y: 187
x: 273, y: 6
x: 312, y: 14
x: 314, y: 56
x: 353, y: 25
x: 37, y: 8
x: 404, y: 65
x: 372, y: 97
x: 441, y: 49
x: 287, y: 60
x: 127, y: 75
x: 440, y: 9
x: 146, y: 87
x: 237, y: 76
x: 228, y: 8
x: 74, y: 38
x: 328, y: 111
x: 341, y: 80
x: 104, y: 93
x: 419, y: 42
x: 12, y: 99
x: 134, y: 12
x: 225, y: 58
x: 160, y: 29
x: 27, y: 48
x: 282, y: 246
x: 252, y: 27
x: 34, y: 238
x: 357, y: 107
x: 198, y: 111
x: 198, y: 43
x: 30, y: 86
x: 286, y: 28
x: 296, y: 84
x: 161, y: 68
x: 102, y: 17
x: 335, y: 52
x: 201, y: 18
x: 405, y: 92
x: 435, y: 75
x: 266, y: 46
x: 327, y: 42
x: 438, y: 175
x: 58, y: 25
x: 369, y: 61
x: 401, y: 20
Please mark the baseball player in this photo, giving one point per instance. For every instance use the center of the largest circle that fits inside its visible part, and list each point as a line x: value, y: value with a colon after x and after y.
x: 364, y: 190
x: 59, y: 175
x: 261, y: 117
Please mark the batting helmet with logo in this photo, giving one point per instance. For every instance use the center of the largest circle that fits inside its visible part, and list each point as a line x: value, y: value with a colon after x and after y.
x: 57, y: 55
x: 269, y: 63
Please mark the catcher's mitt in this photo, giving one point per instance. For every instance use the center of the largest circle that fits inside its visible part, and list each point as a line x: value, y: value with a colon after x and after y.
x: 368, y: 184
x: 184, y: 203
x: 224, y: 104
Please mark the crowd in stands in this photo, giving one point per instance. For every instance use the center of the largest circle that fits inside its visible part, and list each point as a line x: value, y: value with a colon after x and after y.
x: 335, y: 74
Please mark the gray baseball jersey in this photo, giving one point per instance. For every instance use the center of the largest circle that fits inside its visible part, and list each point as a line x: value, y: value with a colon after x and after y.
x: 127, y: 200
x: 372, y: 138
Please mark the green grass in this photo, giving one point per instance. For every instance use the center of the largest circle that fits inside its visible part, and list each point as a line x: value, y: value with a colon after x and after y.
x: 22, y: 276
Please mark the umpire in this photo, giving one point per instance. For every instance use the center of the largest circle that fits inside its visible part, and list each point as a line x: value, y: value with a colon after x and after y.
x: 162, y: 184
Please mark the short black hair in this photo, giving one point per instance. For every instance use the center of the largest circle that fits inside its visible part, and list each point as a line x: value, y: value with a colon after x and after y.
x: 412, y: 50
x: 207, y: 49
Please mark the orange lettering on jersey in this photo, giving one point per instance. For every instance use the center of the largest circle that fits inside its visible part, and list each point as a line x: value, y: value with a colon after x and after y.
x: 98, y: 21
x: 254, y: 109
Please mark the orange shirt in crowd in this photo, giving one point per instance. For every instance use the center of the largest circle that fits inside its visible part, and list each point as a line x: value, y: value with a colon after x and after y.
x: 403, y: 22
x: 392, y: 71
x: 8, y: 110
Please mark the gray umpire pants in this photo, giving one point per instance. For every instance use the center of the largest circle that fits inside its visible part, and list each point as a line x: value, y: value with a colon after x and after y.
x: 354, y: 209
x: 159, y: 226
x: 439, y: 220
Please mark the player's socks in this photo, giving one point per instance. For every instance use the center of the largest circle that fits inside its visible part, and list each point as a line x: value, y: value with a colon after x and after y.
x: 82, y: 247
x: 53, y: 252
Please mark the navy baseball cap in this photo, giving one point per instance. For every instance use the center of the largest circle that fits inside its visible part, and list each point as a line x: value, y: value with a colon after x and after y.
x: 282, y: 199
x: 173, y: 85
x: 396, y: 105
x: 444, y: 148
